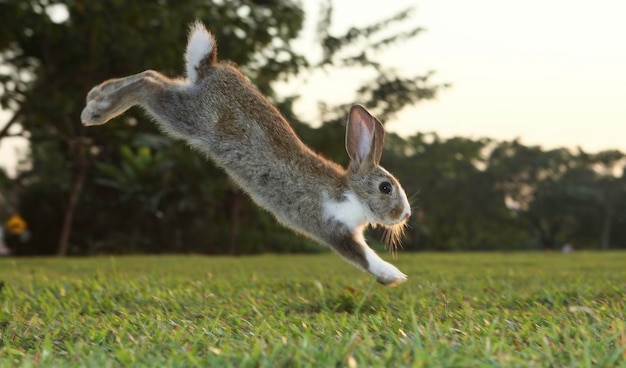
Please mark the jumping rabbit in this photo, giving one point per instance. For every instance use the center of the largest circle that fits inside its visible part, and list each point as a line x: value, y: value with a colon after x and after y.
x: 219, y: 112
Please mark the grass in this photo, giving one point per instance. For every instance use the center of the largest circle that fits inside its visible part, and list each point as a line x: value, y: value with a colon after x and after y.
x: 476, y: 310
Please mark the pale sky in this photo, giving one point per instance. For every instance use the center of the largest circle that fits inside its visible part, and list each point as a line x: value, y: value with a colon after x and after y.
x: 552, y: 72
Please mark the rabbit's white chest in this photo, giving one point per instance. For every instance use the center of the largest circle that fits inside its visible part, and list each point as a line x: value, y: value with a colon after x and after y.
x: 349, y: 211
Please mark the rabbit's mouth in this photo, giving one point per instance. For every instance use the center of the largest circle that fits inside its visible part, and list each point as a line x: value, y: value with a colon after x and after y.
x: 392, y: 223
x: 386, y: 222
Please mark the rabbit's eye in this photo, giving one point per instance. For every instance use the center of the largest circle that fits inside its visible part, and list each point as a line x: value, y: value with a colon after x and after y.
x: 385, y: 187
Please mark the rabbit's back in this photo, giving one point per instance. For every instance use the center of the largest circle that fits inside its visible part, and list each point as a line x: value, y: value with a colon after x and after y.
x: 249, y: 138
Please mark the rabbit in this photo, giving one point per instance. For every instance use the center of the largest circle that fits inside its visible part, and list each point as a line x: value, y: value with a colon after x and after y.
x: 217, y: 111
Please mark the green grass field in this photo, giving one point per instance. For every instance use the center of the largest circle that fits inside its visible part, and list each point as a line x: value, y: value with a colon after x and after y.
x: 476, y: 310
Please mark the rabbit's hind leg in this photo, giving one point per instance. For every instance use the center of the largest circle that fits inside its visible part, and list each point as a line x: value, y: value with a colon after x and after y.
x: 115, y: 96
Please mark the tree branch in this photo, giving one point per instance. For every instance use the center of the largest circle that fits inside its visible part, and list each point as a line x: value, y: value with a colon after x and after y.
x: 5, y: 130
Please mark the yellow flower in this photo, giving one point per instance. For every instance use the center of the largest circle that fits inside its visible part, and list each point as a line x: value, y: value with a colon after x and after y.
x: 15, y: 224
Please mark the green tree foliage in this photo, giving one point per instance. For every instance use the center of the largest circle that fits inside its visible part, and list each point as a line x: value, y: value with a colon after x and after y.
x: 562, y: 196
x: 123, y: 187
x: 126, y: 188
x: 49, y: 64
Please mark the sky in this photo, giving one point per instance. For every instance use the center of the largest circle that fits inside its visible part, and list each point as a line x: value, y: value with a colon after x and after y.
x: 552, y: 73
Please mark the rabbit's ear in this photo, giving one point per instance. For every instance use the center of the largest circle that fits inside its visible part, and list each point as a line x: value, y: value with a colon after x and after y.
x: 364, y: 138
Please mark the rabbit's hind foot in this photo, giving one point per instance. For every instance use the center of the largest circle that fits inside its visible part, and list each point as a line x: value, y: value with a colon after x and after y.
x: 98, y: 107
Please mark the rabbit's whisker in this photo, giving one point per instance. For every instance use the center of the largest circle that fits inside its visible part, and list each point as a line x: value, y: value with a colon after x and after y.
x: 392, y: 237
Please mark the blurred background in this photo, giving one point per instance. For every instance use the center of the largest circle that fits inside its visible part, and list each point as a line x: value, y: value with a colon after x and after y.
x: 514, y: 143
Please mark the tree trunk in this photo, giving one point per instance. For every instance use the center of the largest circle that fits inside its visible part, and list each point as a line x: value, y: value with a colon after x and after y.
x: 605, y: 238
x: 77, y: 188
x: 235, y: 215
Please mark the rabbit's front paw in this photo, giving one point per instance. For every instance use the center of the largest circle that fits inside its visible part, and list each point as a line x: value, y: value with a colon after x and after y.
x: 387, y: 274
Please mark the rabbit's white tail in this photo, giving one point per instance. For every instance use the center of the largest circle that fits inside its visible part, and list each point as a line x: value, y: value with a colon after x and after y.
x: 201, y: 51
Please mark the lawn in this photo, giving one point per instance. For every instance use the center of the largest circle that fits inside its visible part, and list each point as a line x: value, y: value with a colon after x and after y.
x: 466, y: 309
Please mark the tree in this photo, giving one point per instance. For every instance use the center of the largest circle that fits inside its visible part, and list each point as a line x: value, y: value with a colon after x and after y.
x: 529, y: 177
x: 459, y: 205
x: 562, y: 195
x: 607, y: 188
x: 52, y: 63
x: 49, y: 64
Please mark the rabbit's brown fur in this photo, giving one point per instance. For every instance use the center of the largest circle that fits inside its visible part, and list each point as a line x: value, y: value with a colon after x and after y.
x: 219, y: 112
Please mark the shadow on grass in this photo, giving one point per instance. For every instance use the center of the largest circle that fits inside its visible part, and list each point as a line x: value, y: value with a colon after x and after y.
x: 341, y: 303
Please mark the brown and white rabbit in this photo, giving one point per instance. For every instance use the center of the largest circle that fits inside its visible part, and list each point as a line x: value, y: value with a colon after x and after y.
x: 219, y: 112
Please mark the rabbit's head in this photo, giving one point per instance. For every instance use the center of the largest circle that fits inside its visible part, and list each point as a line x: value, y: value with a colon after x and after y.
x: 383, y: 198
